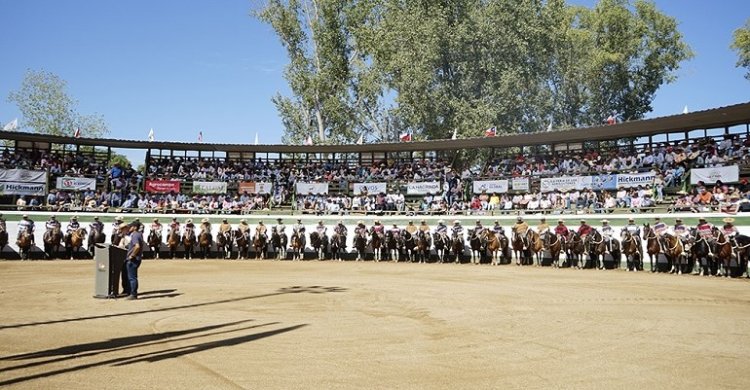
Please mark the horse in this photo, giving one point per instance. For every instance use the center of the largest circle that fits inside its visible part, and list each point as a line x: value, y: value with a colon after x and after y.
x: 519, y: 249
x: 723, y: 253
x: 574, y: 249
x: 702, y: 253
x: 154, y: 242
x: 338, y: 245
x: 243, y: 244
x: 442, y: 243
x: 741, y: 244
x: 3, y: 237
x: 475, y: 244
x: 188, y: 241
x: 319, y: 242
x: 24, y: 244
x: 173, y: 241
x: 74, y: 241
x: 360, y: 244
x: 204, y: 243
x: 535, y: 245
x: 596, y: 247
x: 553, y: 244
x: 298, y: 251
x: 457, y: 246
x: 376, y: 242
x: 279, y: 243
x: 424, y: 242
x: 260, y: 246
x: 96, y: 236
x: 673, y: 250
x: 631, y: 247
x: 497, y: 245
x: 224, y: 244
x: 408, y: 244
x: 52, y: 238
x: 653, y: 248
x: 392, y: 246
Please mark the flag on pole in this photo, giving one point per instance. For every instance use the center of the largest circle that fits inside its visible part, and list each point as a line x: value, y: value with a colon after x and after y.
x: 361, y: 139
x: 151, y: 135
x: 549, y: 128
x: 405, y: 137
x: 685, y: 110
x: 77, y: 134
x: 256, y: 137
x: 455, y: 134
x: 12, y: 125
x: 308, y: 141
x: 200, y: 137
x: 491, y: 132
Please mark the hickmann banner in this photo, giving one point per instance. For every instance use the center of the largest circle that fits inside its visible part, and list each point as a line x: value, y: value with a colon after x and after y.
x: 76, y: 183
x: 252, y: 187
x: 312, y: 188
x: 729, y: 174
x: 162, y: 186
x: 423, y: 187
x: 370, y: 188
x: 634, y: 180
x: 23, y: 182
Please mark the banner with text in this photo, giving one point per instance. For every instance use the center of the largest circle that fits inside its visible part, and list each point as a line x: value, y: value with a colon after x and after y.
x: 729, y: 174
x: 18, y: 188
x: 490, y: 186
x: 76, y: 183
x: 255, y: 188
x: 520, y: 184
x: 635, y: 180
x: 603, y: 182
x: 23, y: 176
x: 370, y: 188
x: 568, y: 183
x: 162, y: 186
x: 423, y: 187
x: 209, y: 187
x: 312, y: 188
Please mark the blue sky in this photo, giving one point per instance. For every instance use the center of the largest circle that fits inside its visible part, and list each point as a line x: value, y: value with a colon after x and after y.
x: 183, y: 66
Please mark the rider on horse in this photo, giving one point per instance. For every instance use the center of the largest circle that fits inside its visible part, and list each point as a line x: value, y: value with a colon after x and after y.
x: 225, y: 227
x: 681, y: 231
x: 659, y: 229
x: 411, y: 228
x: 189, y: 227
x: 520, y: 229
x: 321, y: 229
x: 73, y: 225
x: 157, y: 228
x: 584, y: 230
x: 280, y: 227
x: 561, y: 230
x: 499, y: 231
x: 96, y: 225
x: 299, y: 229
x: 205, y: 226
x: 543, y: 227
x: 27, y: 225
x: 116, y: 225
x: 480, y: 231
x: 395, y: 231
x: 174, y: 226
x: 423, y: 227
x: 607, y: 232
x: 458, y: 230
x: 261, y: 230
x: 52, y: 223
x: 243, y: 227
x: 729, y: 229
x: 632, y: 228
x: 340, y: 229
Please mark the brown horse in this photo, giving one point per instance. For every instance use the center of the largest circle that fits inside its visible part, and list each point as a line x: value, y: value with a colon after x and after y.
x: 360, y: 244
x: 188, y: 241
x: 96, y: 236
x: 494, y: 247
x: 243, y: 244
x: 475, y: 244
x: 631, y: 247
x: 674, y: 249
x: 224, y: 244
x: 741, y: 245
x: 723, y: 253
x: 520, y: 250
x: 457, y: 247
x: 553, y: 244
x: 24, y: 244
x: 173, y: 241
x: 596, y: 248
x: 574, y: 250
x: 3, y: 237
x: 154, y: 242
x: 52, y: 241
x: 535, y: 245
x: 652, y: 245
x: 376, y: 243
x: 260, y: 246
x: 424, y: 242
x: 74, y: 241
x: 279, y: 243
x: 298, y: 250
x: 442, y: 243
x: 204, y: 242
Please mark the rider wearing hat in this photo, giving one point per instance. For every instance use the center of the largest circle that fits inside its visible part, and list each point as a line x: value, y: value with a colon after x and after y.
x: 174, y: 226
x: 321, y: 229
x: 561, y: 230
x: 705, y: 229
x: 424, y: 227
x: 659, y: 229
x: 205, y: 226
x: 244, y: 228
x: 340, y: 229
x: 631, y: 228
x: 498, y: 229
x: 520, y: 229
x: 261, y: 230
x: 156, y: 227
x: 395, y: 230
x: 680, y: 230
x: 584, y: 230
x: 457, y: 230
x: 73, y: 225
x: 442, y: 230
x: 361, y: 229
x: 411, y: 228
x: 189, y: 226
x: 26, y: 225
x: 543, y: 227
x: 280, y: 226
x: 299, y: 230
x: 52, y: 223
x: 116, y: 225
x: 225, y: 227
x: 607, y: 232
x: 729, y: 229
x: 96, y: 225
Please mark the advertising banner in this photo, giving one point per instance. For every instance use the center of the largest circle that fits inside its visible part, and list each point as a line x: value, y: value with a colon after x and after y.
x: 423, y: 187
x: 18, y: 188
x: 162, y: 186
x: 209, y: 187
x: 370, y: 188
x: 76, y: 183
x: 490, y: 186
x: 312, y: 188
x: 252, y: 187
x: 728, y: 174
x: 604, y: 182
x: 569, y: 183
x: 23, y: 176
x: 635, y: 180
x: 520, y: 184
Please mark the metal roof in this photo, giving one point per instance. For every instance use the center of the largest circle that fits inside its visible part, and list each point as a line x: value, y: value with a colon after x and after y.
x: 708, y: 119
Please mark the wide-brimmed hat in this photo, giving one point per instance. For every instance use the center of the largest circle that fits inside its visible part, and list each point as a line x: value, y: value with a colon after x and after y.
x: 605, y: 221
x: 728, y: 220
x: 543, y: 219
x: 701, y: 219
x: 26, y: 216
x: 189, y: 220
x: 278, y: 219
x: 96, y: 218
x: 73, y: 217
x: 243, y: 220
x: 678, y: 220
x: 422, y: 221
x: 156, y: 219
x: 631, y: 219
x: 519, y: 218
x: 456, y: 221
x: 441, y: 222
x: 260, y: 222
x: 360, y: 222
x: 223, y: 220
x: 118, y: 218
x: 560, y: 221
x: 204, y: 220
x: 583, y: 221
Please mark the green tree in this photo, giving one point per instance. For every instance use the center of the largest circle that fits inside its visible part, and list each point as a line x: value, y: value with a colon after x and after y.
x: 48, y: 109
x: 741, y: 45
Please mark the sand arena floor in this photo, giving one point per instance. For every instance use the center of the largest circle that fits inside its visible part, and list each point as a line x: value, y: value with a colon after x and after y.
x: 319, y: 325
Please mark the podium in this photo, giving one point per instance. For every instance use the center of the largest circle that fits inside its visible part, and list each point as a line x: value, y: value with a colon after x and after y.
x: 108, y: 262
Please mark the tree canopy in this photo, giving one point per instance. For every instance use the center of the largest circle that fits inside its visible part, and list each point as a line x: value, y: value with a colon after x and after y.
x: 382, y: 67
x: 48, y: 109
x: 741, y: 44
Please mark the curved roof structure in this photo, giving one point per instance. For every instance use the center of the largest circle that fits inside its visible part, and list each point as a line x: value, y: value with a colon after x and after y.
x: 708, y: 119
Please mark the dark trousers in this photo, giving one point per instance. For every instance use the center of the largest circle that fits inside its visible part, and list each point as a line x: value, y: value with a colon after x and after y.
x: 132, y: 271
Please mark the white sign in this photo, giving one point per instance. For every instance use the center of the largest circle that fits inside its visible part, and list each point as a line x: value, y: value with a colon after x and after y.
x: 209, y: 187
x: 23, y: 175
x: 490, y: 186
x: 635, y: 180
x: 569, y: 183
x: 76, y: 183
x: 520, y: 184
x: 312, y: 188
x: 18, y: 188
x: 370, y: 188
x: 730, y: 174
x: 423, y: 187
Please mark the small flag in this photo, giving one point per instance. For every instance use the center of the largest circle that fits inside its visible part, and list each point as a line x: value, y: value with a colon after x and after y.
x: 405, y: 137
x: 151, y: 135
x: 12, y: 125
x: 491, y: 132
x: 77, y: 134
x: 200, y: 137
x: 549, y: 128
x: 455, y: 134
x: 611, y: 120
x: 308, y: 141
x: 361, y: 139
x: 685, y: 110
x: 256, y: 138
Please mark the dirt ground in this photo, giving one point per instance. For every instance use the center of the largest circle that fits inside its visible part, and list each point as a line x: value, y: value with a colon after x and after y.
x: 320, y: 325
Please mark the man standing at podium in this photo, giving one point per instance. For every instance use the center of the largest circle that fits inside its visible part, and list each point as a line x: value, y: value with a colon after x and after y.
x: 133, y: 258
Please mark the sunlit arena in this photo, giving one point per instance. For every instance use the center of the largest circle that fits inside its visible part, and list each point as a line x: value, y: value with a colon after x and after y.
x: 325, y: 194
